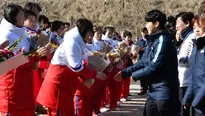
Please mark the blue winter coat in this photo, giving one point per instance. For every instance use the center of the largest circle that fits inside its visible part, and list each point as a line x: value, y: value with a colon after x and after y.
x: 195, y: 93
x: 158, y: 66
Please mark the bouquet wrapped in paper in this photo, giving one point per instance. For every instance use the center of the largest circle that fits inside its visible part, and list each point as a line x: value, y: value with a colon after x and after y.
x: 7, y: 53
x: 98, y: 63
x: 37, y: 38
x: 10, y: 61
x: 117, y: 54
x: 106, y: 48
x: 33, y: 51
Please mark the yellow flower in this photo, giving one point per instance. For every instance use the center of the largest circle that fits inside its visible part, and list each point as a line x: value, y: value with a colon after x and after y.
x: 54, y: 45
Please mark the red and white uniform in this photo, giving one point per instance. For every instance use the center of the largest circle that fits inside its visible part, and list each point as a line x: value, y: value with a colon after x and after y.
x: 84, y: 96
x: 16, y: 86
x: 99, y: 85
x: 112, y: 92
x: 59, y: 85
x: 125, y: 85
x: 37, y: 79
x: 97, y: 44
x: 111, y: 42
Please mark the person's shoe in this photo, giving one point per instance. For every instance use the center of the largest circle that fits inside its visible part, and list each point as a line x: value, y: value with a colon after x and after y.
x: 40, y: 109
x: 36, y: 114
x: 103, y: 110
x: 129, y: 94
x: 123, y: 99
x: 107, y: 105
x: 142, y: 92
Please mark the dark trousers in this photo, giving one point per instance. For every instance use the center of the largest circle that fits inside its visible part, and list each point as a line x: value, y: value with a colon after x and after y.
x: 185, y: 112
x: 161, y: 107
x: 143, y: 85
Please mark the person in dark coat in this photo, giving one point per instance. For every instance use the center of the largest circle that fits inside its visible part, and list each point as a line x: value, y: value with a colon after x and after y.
x: 158, y: 66
x: 142, y: 42
x: 195, y: 93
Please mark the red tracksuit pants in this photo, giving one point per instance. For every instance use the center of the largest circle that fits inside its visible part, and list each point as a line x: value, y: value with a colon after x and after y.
x: 125, y: 87
x: 83, y: 99
x: 83, y: 105
x: 99, y: 95
x: 112, y: 90
x: 37, y: 82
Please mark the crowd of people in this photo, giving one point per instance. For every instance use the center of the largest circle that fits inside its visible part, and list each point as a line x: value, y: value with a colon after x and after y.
x: 59, y: 79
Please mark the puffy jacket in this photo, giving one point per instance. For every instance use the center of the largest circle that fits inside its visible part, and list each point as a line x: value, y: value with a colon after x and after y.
x: 141, y: 43
x: 158, y: 66
x: 60, y: 82
x: 16, y: 86
x: 195, y: 93
x: 185, y: 57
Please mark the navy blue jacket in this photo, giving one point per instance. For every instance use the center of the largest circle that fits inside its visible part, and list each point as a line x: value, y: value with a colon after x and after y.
x: 195, y: 93
x: 141, y: 43
x: 158, y: 66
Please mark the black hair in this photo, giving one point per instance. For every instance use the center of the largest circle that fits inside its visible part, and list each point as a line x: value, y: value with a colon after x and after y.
x: 44, y: 19
x: 171, y: 21
x: 128, y: 33
x: 108, y: 28
x: 28, y: 13
x: 11, y: 11
x: 84, y: 26
x: 32, y: 5
x: 56, y: 25
x: 186, y: 17
x: 49, y: 25
x: 156, y: 15
x: 144, y: 29
x: 97, y: 28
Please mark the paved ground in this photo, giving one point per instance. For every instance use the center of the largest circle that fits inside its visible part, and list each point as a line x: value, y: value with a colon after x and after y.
x: 134, y: 107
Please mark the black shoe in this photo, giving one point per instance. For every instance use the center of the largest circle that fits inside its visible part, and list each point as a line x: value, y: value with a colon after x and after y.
x: 142, y: 92
x: 129, y: 94
x: 40, y: 109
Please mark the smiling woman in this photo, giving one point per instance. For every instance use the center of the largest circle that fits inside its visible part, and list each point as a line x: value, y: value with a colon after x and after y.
x: 13, y: 99
x: 14, y: 14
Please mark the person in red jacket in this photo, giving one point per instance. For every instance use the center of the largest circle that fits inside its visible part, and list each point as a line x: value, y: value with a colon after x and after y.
x: 59, y: 85
x: 16, y: 90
